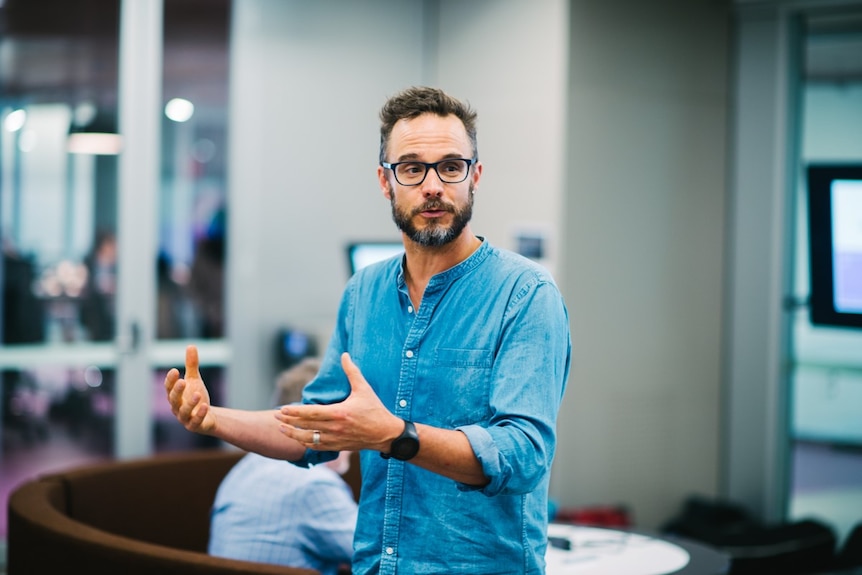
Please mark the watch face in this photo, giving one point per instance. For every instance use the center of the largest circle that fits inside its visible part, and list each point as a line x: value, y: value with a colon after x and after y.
x: 405, y: 448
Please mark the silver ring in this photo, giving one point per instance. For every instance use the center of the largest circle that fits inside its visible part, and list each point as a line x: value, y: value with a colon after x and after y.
x: 315, y: 437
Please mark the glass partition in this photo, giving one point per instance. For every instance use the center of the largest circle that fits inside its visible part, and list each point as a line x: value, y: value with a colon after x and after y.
x: 826, y: 376
x: 58, y: 221
x: 60, y: 347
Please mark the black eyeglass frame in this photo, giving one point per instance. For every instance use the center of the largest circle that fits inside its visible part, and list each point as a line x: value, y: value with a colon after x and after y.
x: 429, y: 166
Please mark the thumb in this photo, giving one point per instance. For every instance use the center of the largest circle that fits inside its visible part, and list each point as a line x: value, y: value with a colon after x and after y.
x: 354, y: 375
x: 192, y: 363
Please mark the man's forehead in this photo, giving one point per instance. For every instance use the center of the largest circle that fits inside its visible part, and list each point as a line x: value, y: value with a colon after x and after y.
x: 428, y: 130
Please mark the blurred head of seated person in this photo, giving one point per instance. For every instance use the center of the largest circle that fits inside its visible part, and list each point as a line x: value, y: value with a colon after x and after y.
x: 272, y: 511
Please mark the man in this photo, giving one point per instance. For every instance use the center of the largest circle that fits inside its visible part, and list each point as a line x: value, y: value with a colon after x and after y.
x: 271, y: 511
x: 446, y: 369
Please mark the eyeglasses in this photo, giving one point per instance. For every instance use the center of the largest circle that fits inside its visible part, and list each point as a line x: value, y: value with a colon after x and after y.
x: 450, y: 170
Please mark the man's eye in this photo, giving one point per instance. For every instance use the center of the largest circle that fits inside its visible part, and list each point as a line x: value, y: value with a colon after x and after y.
x: 411, y: 169
x: 450, y: 167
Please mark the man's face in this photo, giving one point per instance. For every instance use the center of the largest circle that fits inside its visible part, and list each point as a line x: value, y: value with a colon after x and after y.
x: 432, y: 213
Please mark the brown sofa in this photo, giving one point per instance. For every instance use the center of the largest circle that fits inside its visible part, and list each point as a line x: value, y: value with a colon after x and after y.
x: 147, y: 515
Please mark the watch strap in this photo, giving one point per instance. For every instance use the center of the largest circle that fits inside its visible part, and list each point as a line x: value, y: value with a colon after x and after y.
x: 408, y: 436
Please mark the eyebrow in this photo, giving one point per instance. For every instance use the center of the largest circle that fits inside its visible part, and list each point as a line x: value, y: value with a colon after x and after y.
x: 415, y: 157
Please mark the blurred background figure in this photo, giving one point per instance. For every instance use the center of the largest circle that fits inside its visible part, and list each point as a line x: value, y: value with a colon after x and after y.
x: 97, y: 305
x: 170, y: 300
x: 272, y: 511
x: 206, y: 281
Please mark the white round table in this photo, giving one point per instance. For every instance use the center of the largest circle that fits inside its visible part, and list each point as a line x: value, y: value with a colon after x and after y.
x: 585, y: 550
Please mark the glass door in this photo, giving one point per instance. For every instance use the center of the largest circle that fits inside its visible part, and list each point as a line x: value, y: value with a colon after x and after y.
x: 58, y: 226
x: 826, y: 418
x: 106, y: 282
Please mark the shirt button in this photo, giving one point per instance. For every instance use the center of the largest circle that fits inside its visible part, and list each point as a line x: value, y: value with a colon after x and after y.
x: 403, y: 403
x: 409, y: 309
x: 409, y: 353
x: 390, y: 550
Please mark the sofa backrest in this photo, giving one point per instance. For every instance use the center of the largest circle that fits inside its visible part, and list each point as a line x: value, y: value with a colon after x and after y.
x: 131, y: 517
x: 164, y: 499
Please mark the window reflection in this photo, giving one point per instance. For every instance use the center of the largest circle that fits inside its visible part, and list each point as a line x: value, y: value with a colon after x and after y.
x: 58, y: 223
x: 72, y: 404
x: 53, y: 418
x: 193, y: 200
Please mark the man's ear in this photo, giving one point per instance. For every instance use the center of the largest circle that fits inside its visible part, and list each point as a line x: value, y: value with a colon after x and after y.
x: 477, y: 174
x: 385, y: 186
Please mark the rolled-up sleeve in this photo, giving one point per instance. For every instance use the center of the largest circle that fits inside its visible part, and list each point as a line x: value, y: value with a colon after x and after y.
x: 531, y: 367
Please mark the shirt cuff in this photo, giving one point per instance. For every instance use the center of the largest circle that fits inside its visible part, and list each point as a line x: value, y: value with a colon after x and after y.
x: 489, y: 458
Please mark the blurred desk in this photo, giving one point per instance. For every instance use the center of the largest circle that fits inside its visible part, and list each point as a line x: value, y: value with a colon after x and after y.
x: 596, y: 550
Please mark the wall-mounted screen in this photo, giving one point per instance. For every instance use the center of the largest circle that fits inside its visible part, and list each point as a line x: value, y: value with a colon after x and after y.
x: 835, y: 244
x: 361, y: 254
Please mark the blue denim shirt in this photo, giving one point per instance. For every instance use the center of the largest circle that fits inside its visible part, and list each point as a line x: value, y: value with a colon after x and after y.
x: 487, y: 353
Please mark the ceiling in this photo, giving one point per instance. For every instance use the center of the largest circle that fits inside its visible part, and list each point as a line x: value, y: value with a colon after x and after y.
x: 67, y: 50
x: 833, y: 51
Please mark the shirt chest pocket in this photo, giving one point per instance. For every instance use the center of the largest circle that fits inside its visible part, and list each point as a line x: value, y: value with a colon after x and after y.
x: 461, y: 382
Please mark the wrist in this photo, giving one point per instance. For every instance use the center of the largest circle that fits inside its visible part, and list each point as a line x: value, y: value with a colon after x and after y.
x: 405, y: 446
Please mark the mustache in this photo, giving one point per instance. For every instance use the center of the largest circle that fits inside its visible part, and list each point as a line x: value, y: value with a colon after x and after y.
x: 434, y: 206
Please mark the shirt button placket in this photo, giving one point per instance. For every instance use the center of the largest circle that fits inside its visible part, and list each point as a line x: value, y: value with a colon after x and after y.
x: 387, y: 562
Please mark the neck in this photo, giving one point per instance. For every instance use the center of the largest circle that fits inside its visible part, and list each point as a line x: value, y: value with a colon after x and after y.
x: 423, y: 262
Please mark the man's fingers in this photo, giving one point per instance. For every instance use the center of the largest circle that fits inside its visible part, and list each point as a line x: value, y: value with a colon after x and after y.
x: 171, y: 378
x: 175, y: 395
x: 186, y: 407
x: 192, y: 365
x: 198, y: 413
x: 294, y: 413
x: 175, y: 390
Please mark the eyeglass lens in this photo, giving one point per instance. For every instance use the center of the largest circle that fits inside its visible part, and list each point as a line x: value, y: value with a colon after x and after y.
x: 449, y: 171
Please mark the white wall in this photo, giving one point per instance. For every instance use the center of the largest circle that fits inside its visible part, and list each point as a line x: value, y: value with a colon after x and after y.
x: 509, y: 58
x: 645, y: 221
x: 307, y: 80
x: 602, y: 124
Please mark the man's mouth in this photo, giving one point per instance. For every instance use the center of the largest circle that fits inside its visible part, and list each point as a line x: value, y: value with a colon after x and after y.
x: 433, y: 210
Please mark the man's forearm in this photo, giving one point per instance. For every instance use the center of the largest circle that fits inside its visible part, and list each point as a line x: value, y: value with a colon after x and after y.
x: 449, y: 453
x: 256, y: 431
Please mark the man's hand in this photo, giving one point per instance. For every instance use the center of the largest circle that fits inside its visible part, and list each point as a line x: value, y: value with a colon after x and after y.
x: 189, y: 398
x: 359, y: 422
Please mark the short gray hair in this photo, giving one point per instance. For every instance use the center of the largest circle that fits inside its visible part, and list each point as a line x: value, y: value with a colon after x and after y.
x: 418, y: 100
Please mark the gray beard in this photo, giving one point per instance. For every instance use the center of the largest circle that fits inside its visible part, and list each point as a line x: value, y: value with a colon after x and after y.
x: 434, y: 234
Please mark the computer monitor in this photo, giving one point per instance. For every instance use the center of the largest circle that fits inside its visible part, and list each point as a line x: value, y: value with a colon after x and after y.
x: 835, y: 244
x: 363, y: 253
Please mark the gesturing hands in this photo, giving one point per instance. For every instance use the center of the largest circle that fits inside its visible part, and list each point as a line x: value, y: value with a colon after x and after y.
x: 359, y: 422
x: 189, y: 398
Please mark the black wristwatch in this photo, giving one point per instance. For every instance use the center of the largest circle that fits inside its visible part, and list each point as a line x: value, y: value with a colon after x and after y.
x: 405, y: 446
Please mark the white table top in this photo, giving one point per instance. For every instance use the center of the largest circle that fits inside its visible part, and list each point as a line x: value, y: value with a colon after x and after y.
x: 597, y: 550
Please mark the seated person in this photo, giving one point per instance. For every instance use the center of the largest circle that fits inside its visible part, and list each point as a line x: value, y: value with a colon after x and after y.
x: 273, y: 511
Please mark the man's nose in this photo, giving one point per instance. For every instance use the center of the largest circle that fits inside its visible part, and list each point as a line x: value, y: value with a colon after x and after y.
x: 432, y: 185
